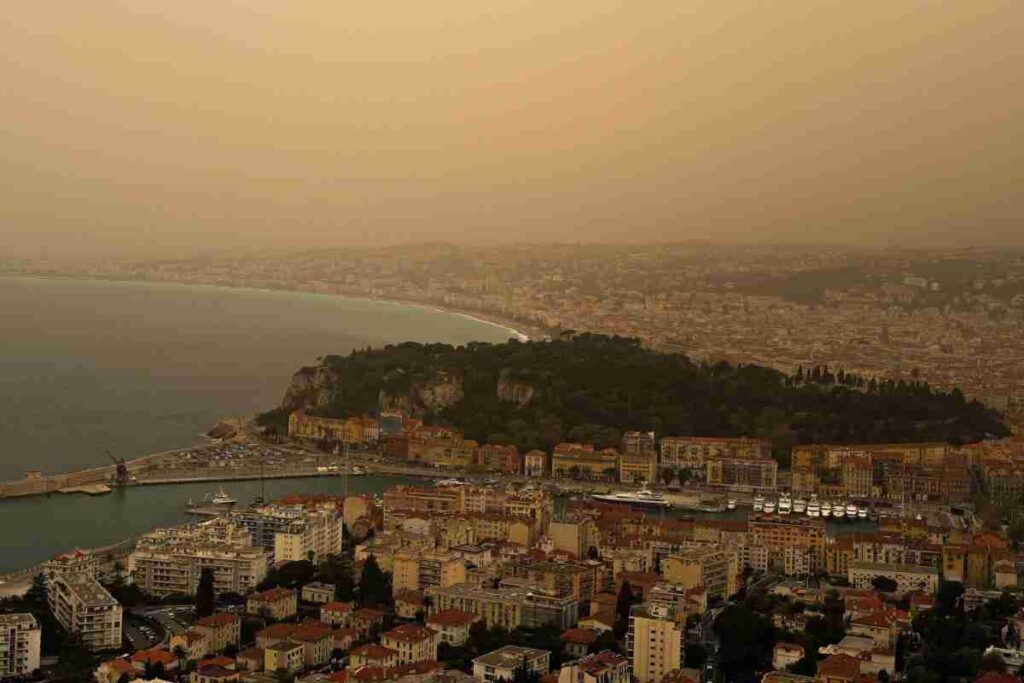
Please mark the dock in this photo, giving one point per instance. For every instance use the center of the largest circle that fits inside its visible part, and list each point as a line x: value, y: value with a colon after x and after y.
x: 88, y: 489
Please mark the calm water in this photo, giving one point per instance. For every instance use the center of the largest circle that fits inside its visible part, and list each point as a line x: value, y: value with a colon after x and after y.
x: 35, y: 529
x: 137, y: 368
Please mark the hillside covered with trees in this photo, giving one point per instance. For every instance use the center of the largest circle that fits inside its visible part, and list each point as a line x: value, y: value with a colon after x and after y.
x: 591, y: 388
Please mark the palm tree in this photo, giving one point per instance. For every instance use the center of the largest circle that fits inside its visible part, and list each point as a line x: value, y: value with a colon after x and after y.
x: 181, y: 654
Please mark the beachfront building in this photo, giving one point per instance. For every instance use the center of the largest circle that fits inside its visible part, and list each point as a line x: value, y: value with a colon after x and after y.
x: 81, y: 605
x: 20, y: 637
x: 171, y: 561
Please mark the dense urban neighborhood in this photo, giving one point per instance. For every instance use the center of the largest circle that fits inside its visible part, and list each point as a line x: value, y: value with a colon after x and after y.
x: 862, y: 562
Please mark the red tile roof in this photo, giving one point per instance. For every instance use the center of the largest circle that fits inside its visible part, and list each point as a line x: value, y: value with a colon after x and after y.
x: 839, y: 666
x: 153, y: 657
x: 452, y: 617
x: 219, y: 619
x: 336, y: 607
x: 579, y: 636
x: 409, y: 633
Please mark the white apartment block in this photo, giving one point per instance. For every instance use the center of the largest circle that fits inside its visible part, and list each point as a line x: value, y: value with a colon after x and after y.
x: 316, y: 531
x: 171, y: 561
x: 83, y: 606
x: 19, y: 644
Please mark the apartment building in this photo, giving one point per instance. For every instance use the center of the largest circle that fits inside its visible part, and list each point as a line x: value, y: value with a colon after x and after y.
x: 779, y: 533
x: 581, y: 461
x: 452, y: 626
x: 508, y: 606
x: 858, y: 476
x: 283, y: 656
x: 908, y: 578
x: 604, y: 667
x: 419, y: 570
x: 497, y: 458
x: 638, y: 468
x: 315, y: 533
x: 447, y: 500
x: 354, y: 430
x: 654, y: 642
x: 559, y: 578
x: 20, y: 638
x: 173, y: 564
x: 276, y: 603
x: 79, y: 562
x: 535, y: 464
x: 637, y: 442
x: 501, y: 664
x: 691, y: 452
x: 712, y: 568
x: 412, y: 642
x: 83, y: 606
x: 758, y: 475
x: 220, y: 630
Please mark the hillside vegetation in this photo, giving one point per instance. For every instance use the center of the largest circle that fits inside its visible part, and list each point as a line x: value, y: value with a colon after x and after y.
x: 592, y: 388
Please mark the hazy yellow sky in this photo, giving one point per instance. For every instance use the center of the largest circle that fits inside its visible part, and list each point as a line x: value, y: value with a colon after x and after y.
x: 135, y: 122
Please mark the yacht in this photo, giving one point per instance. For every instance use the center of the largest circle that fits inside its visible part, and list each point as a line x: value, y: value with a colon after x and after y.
x: 450, y: 482
x: 769, y: 507
x: 800, y: 506
x: 826, y: 509
x: 730, y: 504
x: 785, y: 504
x: 644, y: 497
x: 222, y: 498
x: 851, y: 511
x: 838, y: 510
x: 862, y: 513
x: 758, y: 503
x: 813, y: 508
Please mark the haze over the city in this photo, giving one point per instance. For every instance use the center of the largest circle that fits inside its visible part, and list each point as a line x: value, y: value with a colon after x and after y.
x: 146, y: 125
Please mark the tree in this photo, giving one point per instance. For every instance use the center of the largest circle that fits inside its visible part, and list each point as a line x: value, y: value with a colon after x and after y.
x: 694, y: 655
x: 74, y: 662
x: 36, y: 593
x: 992, y: 661
x: 479, y: 636
x: 746, y: 641
x: 181, y: 655
x: 524, y: 673
x: 206, y: 599
x: 884, y: 584
x: 373, y: 584
x: 623, y: 604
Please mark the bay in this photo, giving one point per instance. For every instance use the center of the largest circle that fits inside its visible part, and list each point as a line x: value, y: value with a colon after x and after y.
x: 89, y: 366
x: 136, y: 368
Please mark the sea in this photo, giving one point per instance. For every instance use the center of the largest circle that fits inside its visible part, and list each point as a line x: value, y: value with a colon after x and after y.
x: 89, y: 367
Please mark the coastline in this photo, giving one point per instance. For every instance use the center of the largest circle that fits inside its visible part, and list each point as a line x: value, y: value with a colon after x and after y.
x: 514, y: 327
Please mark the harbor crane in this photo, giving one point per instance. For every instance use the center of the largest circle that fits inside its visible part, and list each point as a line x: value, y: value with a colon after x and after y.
x: 122, y: 469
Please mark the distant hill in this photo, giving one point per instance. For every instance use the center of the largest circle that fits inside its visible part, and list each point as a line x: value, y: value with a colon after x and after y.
x: 592, y: 388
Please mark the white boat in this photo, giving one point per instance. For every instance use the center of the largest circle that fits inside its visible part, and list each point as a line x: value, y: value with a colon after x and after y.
x: 644, y: 497
x: 862, y: 513
x: 758, y: 503
x: 785, y: 504
x: 730, y: 504
x: 838, y: 510
x: 769, y: 507
x: 851, y: 511
x: 826, y: 509
x: 222, y: 498
x: 813, y: 509
x: 800, y: 506
x: 450, y: 482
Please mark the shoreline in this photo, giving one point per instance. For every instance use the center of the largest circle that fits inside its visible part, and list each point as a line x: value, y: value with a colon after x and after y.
x: 514, y: 327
